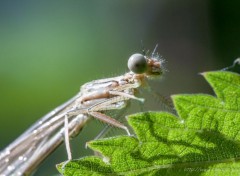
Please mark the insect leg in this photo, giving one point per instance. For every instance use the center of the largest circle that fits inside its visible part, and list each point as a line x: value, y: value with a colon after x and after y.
x: 66, y: 137
x: 109, y: 120
x: 123, y: 94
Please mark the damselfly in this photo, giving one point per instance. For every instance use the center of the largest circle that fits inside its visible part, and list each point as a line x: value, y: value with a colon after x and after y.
x: 94, y: 99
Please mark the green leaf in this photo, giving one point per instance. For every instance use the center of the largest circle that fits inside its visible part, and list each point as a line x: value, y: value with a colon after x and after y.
x: 203, y: 140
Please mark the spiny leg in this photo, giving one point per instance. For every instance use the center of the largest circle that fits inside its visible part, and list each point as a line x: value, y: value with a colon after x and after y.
x: 109, y: 104
x: 107, y: 128
x: 120, y: 96
x: 66, y: 136
x: 123, y: 94
x: 165, y: 102
x: 109, y: 120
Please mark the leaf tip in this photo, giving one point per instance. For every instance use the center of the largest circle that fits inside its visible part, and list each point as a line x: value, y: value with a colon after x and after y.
x: 173, y: 96
x: 203, y: 74
x: 88, y: 144
x: 60, y: 167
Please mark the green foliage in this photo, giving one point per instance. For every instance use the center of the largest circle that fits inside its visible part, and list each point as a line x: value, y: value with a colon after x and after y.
x: 203, y: 140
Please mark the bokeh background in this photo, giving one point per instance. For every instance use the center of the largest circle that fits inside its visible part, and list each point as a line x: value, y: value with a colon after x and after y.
x: 49, y: 48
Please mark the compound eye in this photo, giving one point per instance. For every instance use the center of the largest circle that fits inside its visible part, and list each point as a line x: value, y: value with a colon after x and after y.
x: 137, y: 63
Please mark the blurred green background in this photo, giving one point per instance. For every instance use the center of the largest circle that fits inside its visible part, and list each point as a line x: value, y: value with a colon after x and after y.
x: 48, y: 49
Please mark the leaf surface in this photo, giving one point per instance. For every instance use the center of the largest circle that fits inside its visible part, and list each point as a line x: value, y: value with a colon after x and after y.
x: 203, y: 140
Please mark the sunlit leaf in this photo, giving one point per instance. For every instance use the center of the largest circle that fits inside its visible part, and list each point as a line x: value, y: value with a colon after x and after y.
x: 203, y: 140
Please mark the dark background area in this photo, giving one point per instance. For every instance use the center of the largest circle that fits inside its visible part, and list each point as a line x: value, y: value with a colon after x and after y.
x: 48, y: 49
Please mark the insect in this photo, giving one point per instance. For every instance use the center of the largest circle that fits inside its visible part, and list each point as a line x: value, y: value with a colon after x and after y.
x: 94, y: 99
